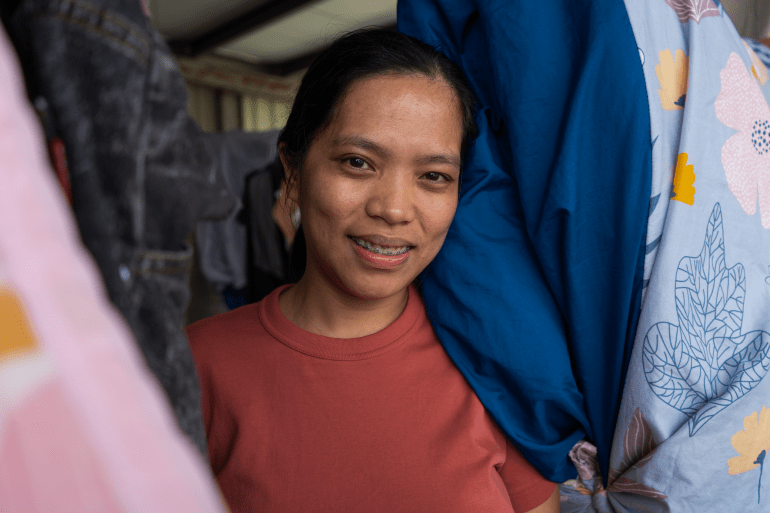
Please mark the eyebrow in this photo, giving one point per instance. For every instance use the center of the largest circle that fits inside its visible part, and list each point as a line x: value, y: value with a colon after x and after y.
x: 452, y: 160
x: 369, y: 145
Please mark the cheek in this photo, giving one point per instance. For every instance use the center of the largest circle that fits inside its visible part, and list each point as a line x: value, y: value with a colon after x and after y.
x: 331, y: 200
x: 438, y: 217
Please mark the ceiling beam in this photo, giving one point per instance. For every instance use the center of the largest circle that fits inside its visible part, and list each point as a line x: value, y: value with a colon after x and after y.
x: 289, y: 66
x: 257, y: 17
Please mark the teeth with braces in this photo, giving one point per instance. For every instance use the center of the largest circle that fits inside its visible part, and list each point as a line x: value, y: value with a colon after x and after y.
x: 374, y: 248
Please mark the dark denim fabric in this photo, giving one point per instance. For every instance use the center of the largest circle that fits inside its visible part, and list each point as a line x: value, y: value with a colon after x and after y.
x: 142, y: 171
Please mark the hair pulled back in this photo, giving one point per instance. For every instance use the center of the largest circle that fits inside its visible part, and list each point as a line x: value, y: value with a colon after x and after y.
x: 362, y: 54
x: 358, y: 55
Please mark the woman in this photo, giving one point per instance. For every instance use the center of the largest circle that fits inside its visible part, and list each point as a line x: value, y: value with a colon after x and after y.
x: 334, y: 394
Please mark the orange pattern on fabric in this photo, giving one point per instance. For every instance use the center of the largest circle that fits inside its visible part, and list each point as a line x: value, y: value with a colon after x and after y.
x: 673, y: 74
x: 15, y: 331
x: 684, y: 178
x: 751, y: 442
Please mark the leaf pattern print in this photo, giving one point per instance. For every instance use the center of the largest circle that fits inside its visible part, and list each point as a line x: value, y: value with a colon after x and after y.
x: 630, y: 486
x: 704, y: 364
x: 638, y: 443
x: 638, y: 447
x: 693, y: 9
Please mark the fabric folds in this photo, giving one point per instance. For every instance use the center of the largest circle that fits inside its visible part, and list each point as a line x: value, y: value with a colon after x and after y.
x: 84, y: 425
x: 536, y: 292
x: 142, y: 172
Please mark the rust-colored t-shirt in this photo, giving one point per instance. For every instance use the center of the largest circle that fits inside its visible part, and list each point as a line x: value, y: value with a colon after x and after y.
x: 299, y: 422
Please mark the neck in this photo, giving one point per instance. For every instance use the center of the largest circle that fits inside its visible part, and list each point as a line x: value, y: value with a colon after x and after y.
x: 319, y: 307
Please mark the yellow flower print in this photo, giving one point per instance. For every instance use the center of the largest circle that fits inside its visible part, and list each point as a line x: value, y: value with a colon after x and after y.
x: 15, y: 332
x: 672, y: 75
x: 752, y: 444
x: 684, y: 178
x: 758, y: 68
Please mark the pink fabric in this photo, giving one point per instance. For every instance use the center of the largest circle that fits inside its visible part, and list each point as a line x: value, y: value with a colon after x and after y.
x: 746, y: 155
x: 44, y: 429
x: 83, y: 424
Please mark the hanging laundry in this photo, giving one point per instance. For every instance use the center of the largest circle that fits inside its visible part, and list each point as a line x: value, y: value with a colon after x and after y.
x: 222, y: 246
x: 536, y: 291
x: 604, y: 122
x: 83, y: 425
x: 268, y: 245
x: 696, y: 387
x: 142, y: 172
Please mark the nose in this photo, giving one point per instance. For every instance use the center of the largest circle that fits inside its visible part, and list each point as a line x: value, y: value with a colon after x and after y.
x: 392, y: 199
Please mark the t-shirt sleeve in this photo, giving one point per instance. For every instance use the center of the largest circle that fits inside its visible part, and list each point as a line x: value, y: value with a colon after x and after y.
x: 526, y: 487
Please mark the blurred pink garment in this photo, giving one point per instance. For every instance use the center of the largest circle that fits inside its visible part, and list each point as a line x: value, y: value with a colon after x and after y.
x: 83, y: 424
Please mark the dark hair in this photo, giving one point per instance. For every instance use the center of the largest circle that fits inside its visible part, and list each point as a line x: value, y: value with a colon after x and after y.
x: 357, y: 55
x: 361, y: 54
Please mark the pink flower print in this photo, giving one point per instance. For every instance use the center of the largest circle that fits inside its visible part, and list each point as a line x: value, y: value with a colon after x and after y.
x: 745, y: 155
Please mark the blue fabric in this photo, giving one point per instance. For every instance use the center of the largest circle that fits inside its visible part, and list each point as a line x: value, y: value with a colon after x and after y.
x: 760, y: 50
x: 536, y: 292
x: 691, y: 433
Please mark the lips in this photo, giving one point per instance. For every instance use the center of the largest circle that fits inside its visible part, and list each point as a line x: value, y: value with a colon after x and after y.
x: 381, y: 252
x: 383, y: 249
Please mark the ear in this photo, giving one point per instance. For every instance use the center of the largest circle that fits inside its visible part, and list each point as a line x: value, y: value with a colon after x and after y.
x: 290, y: 176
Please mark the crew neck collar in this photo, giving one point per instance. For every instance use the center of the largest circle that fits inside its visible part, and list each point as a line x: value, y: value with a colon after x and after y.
x: 330, y: 348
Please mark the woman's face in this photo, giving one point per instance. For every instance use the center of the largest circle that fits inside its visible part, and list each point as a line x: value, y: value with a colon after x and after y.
x: 379, y: 186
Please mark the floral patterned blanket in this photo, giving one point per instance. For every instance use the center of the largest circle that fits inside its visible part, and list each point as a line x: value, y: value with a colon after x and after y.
x: 694, y: 427
x: 534, y: 294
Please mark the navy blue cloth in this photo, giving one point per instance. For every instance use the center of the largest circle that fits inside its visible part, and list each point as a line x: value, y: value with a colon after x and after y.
x: 536, y: 292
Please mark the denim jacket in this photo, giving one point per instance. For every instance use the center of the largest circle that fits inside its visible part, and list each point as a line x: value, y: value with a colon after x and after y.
x: 142, y: 172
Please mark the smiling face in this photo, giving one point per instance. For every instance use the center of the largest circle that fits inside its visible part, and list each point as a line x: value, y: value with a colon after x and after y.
x: 379, y: 185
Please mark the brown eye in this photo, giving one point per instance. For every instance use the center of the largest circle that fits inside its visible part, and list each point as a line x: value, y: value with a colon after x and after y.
x: 435, y: 177
x: 357, y: 162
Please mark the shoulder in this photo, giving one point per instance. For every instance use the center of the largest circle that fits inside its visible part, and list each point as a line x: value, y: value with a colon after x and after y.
x: 230, y: 332
x: 222, y: 326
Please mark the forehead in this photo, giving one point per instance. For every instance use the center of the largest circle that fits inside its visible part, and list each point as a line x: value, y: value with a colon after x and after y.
x: 399, y: 107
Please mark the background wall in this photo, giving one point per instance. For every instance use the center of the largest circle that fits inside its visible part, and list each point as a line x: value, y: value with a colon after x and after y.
x: 224, y: 94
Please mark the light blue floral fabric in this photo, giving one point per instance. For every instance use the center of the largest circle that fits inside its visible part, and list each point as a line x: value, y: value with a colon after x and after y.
x: 534, y: 291
x: 694, y: 429
x: 534, y: 294
x: 760, y: 49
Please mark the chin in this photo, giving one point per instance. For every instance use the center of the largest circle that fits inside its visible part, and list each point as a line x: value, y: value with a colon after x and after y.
x: 375, y: 289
